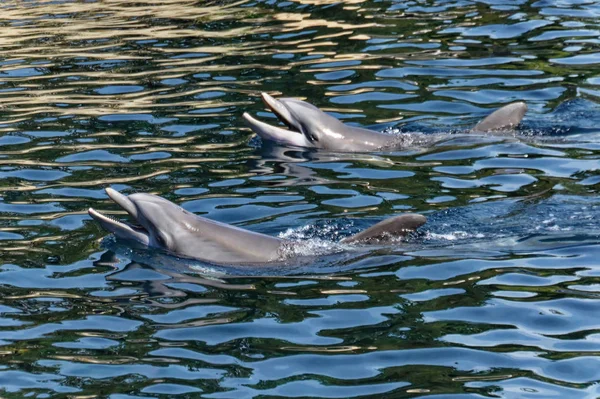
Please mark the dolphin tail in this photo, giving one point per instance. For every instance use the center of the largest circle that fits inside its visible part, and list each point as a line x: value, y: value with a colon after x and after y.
x: 505, y: 118
x: 389, y: 229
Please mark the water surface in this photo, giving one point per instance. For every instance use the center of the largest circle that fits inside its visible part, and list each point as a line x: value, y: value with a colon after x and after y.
x: 497, y: 296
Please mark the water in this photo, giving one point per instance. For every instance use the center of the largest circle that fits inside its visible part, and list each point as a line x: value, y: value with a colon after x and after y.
x: 497, y: 296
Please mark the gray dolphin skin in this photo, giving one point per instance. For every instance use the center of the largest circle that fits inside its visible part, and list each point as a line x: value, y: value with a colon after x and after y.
x: 312, y: 128
x: 309, y: 127
x: 164, y: 225
x: 388, y: 229
x: 503, y: 119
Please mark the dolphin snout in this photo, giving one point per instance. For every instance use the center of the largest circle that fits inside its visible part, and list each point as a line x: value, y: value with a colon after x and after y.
x: 120, y: 229
x: 276, y: 134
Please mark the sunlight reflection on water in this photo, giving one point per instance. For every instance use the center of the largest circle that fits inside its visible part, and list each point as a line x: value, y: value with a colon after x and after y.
x: 495, y: 297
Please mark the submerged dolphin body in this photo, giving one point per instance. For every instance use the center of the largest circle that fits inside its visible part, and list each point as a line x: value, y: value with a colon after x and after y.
x: 310, y: 127
x: 162, y: 224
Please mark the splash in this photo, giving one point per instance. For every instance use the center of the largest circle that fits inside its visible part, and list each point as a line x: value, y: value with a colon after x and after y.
x: 328, y: 230
x: 453, y: 236
x: 311, y: 248
x: 315, y: 239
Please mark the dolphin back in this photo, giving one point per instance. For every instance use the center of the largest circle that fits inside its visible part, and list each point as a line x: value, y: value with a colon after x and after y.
x: 505, y: 118
x: 388, y: 230
x: 222, y: 243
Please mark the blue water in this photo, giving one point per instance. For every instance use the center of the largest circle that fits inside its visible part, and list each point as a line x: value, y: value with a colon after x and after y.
x: 497, y: 296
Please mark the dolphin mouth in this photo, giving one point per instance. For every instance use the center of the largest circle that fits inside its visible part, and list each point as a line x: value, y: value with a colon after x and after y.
x: 281, y: 112
x: 293, y: 135
x: 124, y: 230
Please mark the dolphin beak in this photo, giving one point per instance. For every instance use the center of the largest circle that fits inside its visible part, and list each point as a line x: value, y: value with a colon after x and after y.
x: 121, y: 229
x: 281, y: 112
x: 122, y: 201
x: 292, y: 137
x: 276, y: 134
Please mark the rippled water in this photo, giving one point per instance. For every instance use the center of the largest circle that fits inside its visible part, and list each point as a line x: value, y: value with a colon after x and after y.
x: 497, y: 296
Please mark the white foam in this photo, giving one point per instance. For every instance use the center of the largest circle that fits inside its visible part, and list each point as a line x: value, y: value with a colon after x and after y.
x: 453, y: 236
x: 311, y: 247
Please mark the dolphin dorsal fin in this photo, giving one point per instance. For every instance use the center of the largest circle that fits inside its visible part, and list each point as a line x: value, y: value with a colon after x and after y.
x: 388, y: 229
x: 505, y: 118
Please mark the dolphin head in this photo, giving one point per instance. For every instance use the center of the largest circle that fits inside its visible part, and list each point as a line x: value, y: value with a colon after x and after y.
x: 157, y: 220
x: 308, y: 126
x: 161, y: 224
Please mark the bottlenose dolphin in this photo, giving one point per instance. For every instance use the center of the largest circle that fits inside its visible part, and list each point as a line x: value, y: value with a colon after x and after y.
x: 164, y: 225
x: 310, y: 127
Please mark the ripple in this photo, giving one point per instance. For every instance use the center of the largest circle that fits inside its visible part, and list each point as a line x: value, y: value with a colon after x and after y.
x: 495, y: 296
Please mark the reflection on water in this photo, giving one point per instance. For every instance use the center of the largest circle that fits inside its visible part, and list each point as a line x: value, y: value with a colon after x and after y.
x: 496, y: 297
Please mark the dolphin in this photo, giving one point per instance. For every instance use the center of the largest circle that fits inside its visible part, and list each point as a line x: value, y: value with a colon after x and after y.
x: 166, y: 226
x: 310, y: 127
